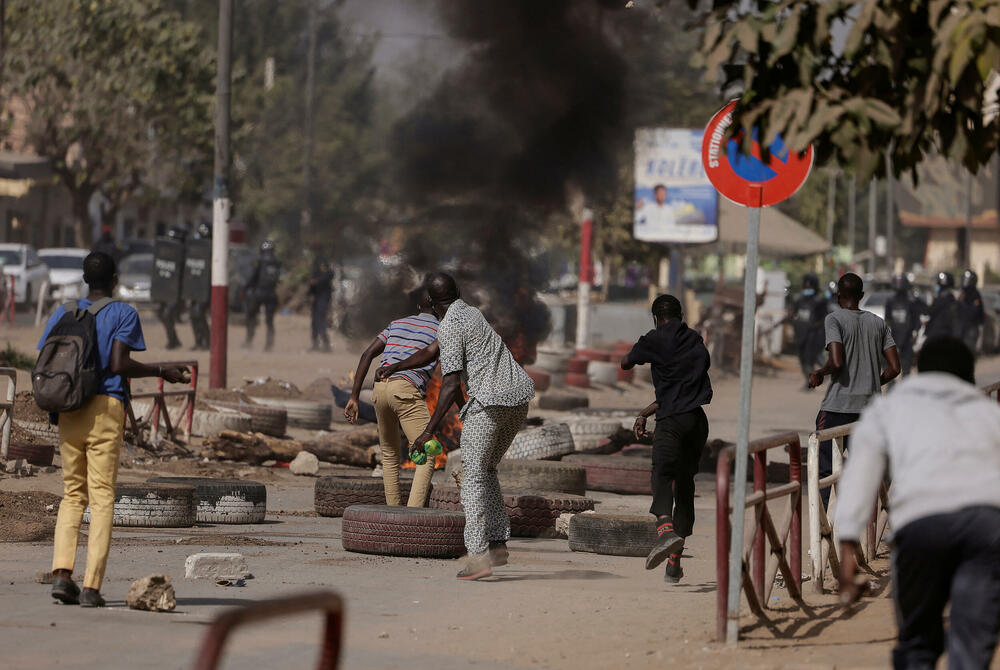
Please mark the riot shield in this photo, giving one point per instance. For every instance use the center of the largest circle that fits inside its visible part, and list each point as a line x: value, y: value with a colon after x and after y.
x: 198, y: 271
x: 168, y: 269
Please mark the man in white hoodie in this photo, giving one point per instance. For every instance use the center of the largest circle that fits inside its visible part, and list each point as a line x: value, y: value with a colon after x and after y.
x: 939, y: 437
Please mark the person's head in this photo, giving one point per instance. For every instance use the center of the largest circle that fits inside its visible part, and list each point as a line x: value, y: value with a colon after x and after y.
x: 177, y: 233
x: 831, y: 289
x: 850, y: 290
x: 945, y: 281
x: 421, y: 298
x: 665, y: 308
x: 810, y: 284
x: 442, y: 291
x: 947, y: 354
x: 99, y: 272
x: 900, y: 284
x: 203, y: 231
x: 267, y: 247
x: 969, y: 279
x: 660, y: 193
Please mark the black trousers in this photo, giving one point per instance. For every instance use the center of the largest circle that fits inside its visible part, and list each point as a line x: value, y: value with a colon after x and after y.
x: 940, y: 559
x: 320, y: 311
x: 827, y: 419
x: 270, y: 304
x: 198, y: 311
x: 169, y: 314
x: 677, y: 445
x: 809, y: 347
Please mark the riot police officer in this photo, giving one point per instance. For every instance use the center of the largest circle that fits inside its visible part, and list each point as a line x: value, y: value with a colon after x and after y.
x: 945, y: 312
x: 832, y: 302
x: 902, y: 315
x: 808, y: 314
x: 261, y: 291
x: 198, y: 283
x: 972, y: 310
x: 165, y: 289
x: 320, y: 291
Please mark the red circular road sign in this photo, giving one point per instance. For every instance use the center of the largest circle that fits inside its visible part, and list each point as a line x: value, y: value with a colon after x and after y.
x: 746, y: 179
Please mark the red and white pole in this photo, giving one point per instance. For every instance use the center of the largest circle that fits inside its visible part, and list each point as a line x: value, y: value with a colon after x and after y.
x: 221, y: 204
x: 586, y: 280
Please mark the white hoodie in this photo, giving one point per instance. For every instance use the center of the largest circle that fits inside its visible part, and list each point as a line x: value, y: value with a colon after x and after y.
x: 940, y: 438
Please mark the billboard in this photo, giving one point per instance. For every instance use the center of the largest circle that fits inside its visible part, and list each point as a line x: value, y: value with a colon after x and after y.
x: 674, y: 200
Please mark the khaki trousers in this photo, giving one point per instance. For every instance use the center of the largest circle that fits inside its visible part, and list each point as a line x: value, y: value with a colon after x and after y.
x: 398, y: 402
x: 90, y: 442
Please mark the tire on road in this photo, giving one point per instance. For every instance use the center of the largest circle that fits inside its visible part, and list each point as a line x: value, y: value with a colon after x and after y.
x: 602, y: 372
x: 36, y: 454
x: 615, y: 473
x: 333, y: 494
x: 521, y: 475
x: 551, y: 360
x: 637, y: 451
x: 153, y: 505
x: 220, y: 500
x: 40, y: 429
x: 541, y: 378
x: 577, y: 365
x: 545, y: 443
x: 562, y: 402
x: 268, y: 420
x: 307, y: 414
x: 403, y: 531
x: 612, y: 534
x: 531, y: 513
x: 577, y: 379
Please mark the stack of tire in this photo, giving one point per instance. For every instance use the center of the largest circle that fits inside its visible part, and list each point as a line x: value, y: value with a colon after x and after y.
x: 308, y: 414
x: 612, y: 534
x: 268, y: 420
x: 576, y: 372
x: 553, y: 362
x: 625, y: 417
x: 40, y: 455
x: 224, y: 501
x: 590, y: 433
x: 615, y: 473
x: 153, y: 505
x: 528, y: 475
x: 602, y: 369
x: 333, y: 494
x: 545, y: 443
x: 619, y: 350
x: 204, y: 422
x: 532, y: 513
x: 416, y: 532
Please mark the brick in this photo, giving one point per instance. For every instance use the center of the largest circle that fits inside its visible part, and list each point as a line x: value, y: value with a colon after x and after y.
x: 216, y: 566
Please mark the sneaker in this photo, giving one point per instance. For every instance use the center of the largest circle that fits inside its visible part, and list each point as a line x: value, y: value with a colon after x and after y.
x: 668, y: 543
x: 91, y: 598
x: 66, y: 591
x: 476, y: 567
x: 498, y: 554
x: 674, y: 571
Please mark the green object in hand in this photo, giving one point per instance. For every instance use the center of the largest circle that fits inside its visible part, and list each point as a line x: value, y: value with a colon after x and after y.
x: 418, y: 457
x: 432, y: 447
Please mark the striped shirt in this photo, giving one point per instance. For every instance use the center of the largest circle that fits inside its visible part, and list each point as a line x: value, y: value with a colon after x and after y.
x: 405, y: 337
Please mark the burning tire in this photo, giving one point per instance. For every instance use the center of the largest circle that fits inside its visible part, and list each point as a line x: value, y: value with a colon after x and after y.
x: 541, y: 378
x: 601, y: 372
x: 577, y: 379
x: 334, y: 494
x: 562, y: 402
x: 36, y: 454
x: 543, y: 443
x: 532, y: 513
x: 404, y: 531
x: 614, y: 473
x: 153, y: 505
x: 268, y: 420
x: 520, y: 475
x: 224, y: 500
x: 577, y: 365
x: 612, y: 534
x: 302, y: 413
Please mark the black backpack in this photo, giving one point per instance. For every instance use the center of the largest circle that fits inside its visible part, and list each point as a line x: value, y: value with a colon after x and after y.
x: 68, y: 371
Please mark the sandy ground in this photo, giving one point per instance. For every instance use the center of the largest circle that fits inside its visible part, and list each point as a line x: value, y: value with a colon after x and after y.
x: 549, y: 608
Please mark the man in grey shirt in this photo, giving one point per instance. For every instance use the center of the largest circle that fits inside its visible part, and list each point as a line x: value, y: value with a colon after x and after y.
x: 857, y: 342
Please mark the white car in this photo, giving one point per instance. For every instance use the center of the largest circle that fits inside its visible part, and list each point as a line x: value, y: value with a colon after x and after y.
x: 22, y: 262
x: 135, y: 278
x: 65, y: 272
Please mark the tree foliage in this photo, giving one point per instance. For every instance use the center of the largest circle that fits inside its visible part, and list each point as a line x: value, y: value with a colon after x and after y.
x: 118, y: 96
x: 857, y: 78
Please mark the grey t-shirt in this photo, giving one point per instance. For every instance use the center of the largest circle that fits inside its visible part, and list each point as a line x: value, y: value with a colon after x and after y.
x: 865, y: 337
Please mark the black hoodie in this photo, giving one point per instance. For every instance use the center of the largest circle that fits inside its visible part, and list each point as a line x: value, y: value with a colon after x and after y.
x: 680, y: 365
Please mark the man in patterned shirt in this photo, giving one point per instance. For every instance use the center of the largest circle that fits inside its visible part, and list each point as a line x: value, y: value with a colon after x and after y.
x: 499, y: 391
x: 399, y: 398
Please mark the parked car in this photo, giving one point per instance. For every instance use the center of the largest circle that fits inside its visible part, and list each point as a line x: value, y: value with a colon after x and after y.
x: 22, y: 262
x: 135, y: 278
x: 65, y: 272
x: 874, y: 302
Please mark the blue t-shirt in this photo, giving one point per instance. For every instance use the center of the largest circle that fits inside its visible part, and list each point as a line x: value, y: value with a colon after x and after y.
x: 118, y: 321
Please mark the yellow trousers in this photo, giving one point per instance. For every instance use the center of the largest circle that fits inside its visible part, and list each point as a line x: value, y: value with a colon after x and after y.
x: 90, y: 440
x: 398, y: 402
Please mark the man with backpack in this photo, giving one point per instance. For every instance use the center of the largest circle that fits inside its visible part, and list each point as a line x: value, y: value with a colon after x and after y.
x: 80, y: 376
x: 262, y: 291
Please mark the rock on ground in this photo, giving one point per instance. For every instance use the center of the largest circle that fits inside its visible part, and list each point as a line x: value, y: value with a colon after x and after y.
x: 304, y: 463
x: 216, y: 566
x: 154, y: 593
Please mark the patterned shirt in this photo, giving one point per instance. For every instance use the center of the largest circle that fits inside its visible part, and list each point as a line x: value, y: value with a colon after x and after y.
x: 470, y: 345
x: 405, y: 337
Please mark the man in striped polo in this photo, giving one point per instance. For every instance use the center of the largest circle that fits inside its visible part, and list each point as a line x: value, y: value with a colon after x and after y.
x: 399, y: 399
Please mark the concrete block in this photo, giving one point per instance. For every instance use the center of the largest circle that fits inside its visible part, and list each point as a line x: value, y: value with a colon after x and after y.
x: 216, y: 566
x: 304, y: 463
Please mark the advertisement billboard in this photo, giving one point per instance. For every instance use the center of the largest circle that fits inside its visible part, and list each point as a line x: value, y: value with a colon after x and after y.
x: 674, y: 200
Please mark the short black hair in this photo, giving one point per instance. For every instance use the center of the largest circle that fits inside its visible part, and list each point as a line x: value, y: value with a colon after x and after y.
x: 947, y: 354
x: 442, y: 287
x: 99, y: 269
x: 667, y: 306
x: 658, y: 187
x: 851, y: 286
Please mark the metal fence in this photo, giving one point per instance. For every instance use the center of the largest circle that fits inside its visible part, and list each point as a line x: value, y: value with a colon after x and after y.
x: 158, y: 411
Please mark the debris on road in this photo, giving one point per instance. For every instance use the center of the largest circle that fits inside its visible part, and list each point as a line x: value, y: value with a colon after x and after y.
x: 257, y: 448
x: 154, y: 593
x: 27, y: 516
x: 216, y: 566
x: 304, y: 463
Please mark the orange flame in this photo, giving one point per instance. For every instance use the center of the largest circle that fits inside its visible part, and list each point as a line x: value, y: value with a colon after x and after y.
x: 449, y: 431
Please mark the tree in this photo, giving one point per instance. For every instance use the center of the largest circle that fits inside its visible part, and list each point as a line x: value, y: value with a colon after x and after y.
x: 859, y: 78
x: 117, y: 93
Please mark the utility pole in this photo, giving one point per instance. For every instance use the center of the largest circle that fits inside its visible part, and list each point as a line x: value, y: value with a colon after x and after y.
x: 890, y: 212
x: 872, y: 214
x: 3, y: 38
x: 831, y: 204
x: 305, y: 218
x: 852, y: 209
x: 586, y: 280
x: 220, y: 202
x: 968, y: 220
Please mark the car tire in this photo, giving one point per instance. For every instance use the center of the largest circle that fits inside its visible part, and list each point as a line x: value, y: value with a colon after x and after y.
x: 307, y: 414
x: 615, y: 474
x: 603, y: 372
x: 531, y: 513
x: 403, y: 531
x: 224, y: 501
x: 545, y: 443
x: 145, y: 505
x: 521, y: 475
x: 562, y: 402
x: 36, y: 454
x: 612, y: 534
x: 268, y: 420
x: 333, y: 494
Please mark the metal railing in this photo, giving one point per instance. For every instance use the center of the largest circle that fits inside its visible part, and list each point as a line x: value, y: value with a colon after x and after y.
x: 8, y: 302
x: 159, y: 411
x: 770, y: 547
x: 7, y: 407
x: 224, y: 624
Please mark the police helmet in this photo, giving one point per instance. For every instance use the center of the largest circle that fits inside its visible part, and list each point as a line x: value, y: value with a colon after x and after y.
x: 267, y: 246
x: 900, y: 283
x: 203, y: 231
x: 945, y: 280
x: 969, y: 279
x: 176, y: 233
x: 810, y: 281
x: 831, y: 287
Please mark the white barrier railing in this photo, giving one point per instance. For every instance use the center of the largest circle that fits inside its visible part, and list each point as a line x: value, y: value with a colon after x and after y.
x: 7, y: 409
